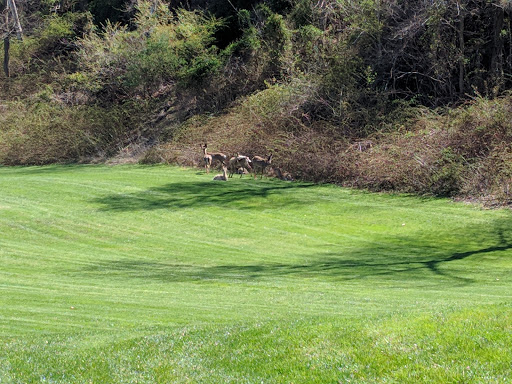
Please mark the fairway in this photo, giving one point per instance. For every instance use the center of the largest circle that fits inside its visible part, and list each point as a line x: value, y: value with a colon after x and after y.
x: 157, y: 274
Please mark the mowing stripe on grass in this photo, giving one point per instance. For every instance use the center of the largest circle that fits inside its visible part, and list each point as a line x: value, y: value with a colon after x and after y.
x: 159, y: 274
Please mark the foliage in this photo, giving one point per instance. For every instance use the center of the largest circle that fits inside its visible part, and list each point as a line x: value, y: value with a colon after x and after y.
x: 163, y: 48
x: 275, y: 37
x: 112, y: 11
x: 45, y: 130
x: 50, y: 44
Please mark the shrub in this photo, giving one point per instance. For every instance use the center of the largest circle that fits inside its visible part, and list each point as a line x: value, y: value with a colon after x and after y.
x: 44, y: 48
x: 41, y: 130
x: 162, y: 48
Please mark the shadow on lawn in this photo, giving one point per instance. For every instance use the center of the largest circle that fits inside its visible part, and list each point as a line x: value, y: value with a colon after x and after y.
x: 404, y: 262
x: 197, y: 194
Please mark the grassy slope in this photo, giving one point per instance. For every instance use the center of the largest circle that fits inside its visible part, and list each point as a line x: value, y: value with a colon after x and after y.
x: 158, y: 274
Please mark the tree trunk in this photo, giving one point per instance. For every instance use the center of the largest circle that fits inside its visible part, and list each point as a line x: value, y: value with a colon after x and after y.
x: 7, y: 45
x: 10, y: 9
x: 11, y: 5
x: 7, y: 40
x: 461, y: 50
x: 509, y: 61
x: 497, y: 49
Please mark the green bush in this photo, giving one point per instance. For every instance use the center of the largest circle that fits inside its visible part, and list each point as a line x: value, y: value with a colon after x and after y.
x: 46, y: 45
x: 163, y: 48
x: 250, y: 40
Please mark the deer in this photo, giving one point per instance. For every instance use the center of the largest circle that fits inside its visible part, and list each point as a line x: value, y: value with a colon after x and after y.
x: 260, y: 164
x: 207, y: 158
x: 223, y: 176
x: 215, y: 156
x: 239, y: 163
x: 283, y: 175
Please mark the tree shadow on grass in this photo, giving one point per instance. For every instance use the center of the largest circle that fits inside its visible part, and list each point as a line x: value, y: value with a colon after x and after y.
x: 411, y: 260
x: 199, y: 194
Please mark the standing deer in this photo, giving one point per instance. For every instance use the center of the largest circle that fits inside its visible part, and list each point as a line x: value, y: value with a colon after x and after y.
x: 239, y: 162
x: 215, y: 156
x: 260, y: 164
x: 223, y: 176
x: 207, y: 158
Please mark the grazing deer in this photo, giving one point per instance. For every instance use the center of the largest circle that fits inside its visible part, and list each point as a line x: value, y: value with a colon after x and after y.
x: 239, y: 162
x: 207, y: 158
x: 215, y: 156
x: 223, y: 176
x: 260, y: 164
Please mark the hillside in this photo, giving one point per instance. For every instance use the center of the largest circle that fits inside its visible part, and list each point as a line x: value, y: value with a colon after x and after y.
x: 410, y: 96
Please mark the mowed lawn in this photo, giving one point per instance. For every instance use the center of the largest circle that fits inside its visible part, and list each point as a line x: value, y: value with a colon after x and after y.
x: 157, y: 274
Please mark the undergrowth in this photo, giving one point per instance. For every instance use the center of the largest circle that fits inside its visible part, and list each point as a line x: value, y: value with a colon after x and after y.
x: 465, y: 153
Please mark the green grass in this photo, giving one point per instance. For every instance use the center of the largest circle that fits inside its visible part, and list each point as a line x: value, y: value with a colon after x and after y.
x: 160, y: 275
